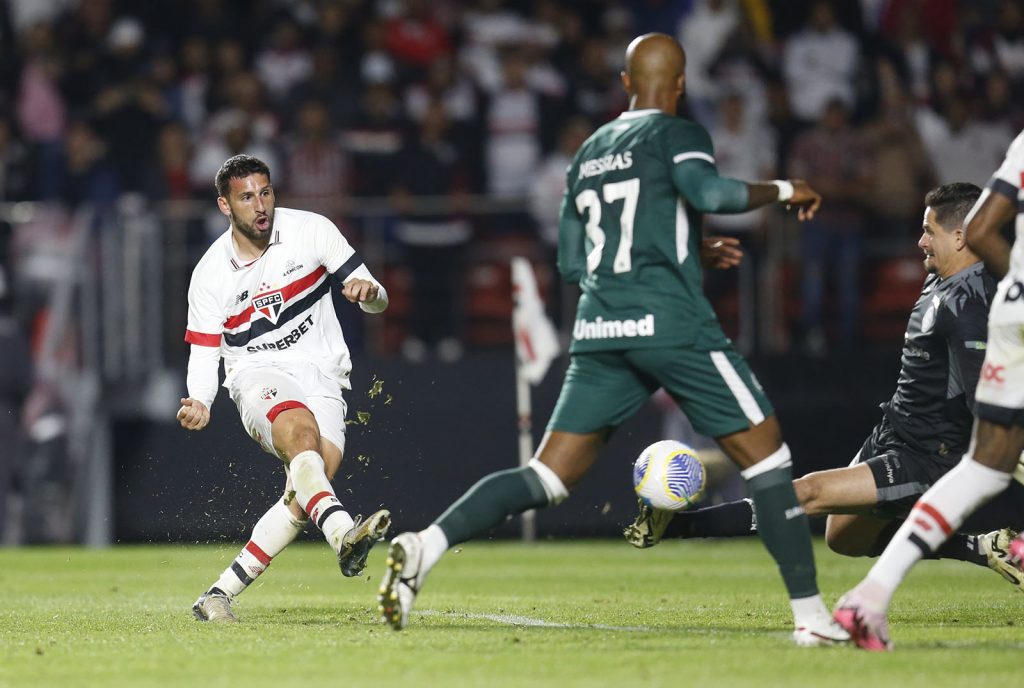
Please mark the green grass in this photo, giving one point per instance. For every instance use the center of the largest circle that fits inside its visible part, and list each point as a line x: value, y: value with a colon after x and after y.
x: 696, y: 613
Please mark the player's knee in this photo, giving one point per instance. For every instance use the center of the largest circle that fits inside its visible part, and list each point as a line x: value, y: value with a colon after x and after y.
x: 556, y: 490
x: 297, y: 436
x: 840, y: 542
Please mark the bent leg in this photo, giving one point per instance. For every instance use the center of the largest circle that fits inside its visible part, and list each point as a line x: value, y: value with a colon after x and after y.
x: 858, y: 535
x: 563, y: 458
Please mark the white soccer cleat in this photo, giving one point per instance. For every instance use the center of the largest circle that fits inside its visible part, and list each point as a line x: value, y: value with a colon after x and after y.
x: 214, y: 607
x: 360, y: 539
x: 996, y: 548
x: 402, y: 580
x: 648, y: 526
x: 820, y: 634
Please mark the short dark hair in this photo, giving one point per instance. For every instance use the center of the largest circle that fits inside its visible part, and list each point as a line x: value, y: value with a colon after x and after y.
x: 952, y: 202
x: 238, y: 167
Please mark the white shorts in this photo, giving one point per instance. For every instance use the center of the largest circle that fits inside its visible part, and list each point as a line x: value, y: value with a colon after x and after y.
x: 263, y: 392
x: 1000, y: 392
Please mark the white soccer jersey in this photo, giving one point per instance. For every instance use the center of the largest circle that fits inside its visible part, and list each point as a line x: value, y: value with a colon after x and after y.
x: 1009, y: 181
x: 276, y: 309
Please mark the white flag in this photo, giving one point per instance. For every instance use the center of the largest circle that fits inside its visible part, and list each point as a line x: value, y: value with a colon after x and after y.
x: 536, y: 340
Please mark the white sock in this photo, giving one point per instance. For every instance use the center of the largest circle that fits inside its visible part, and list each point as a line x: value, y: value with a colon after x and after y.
x: 273, y: 532
x: 936, y: 516
x: 435, y: 544
x: 810, y: 612
x: 317, y: 498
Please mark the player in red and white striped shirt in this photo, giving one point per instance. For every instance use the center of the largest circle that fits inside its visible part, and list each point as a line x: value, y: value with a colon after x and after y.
x: 260, y: 298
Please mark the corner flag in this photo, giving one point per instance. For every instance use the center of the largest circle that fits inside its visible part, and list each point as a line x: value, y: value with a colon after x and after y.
x: 535, y: 337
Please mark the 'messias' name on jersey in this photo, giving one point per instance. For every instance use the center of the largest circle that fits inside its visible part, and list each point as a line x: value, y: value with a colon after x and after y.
x: 606, y: 163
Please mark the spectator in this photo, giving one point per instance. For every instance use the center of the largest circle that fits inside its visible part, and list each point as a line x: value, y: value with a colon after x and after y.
x: 316, y: 166
x: 41, y: 110
x: 285, y: 62
x: 228, y: 134
x: 703, y: 34
x: 326, y: 85
x: 596, y: 91
x: 415, y: 38
x: 88, y: 176
x: 900, y: 169
x: 194, y: 83
x: 962, y: 147
x: 374, y: 141
x: 513, y: 126
x: 831, y: 243
x: 546, y: 191
x: 820, y: 64
x: 167, y: 172
x: 433, y: 242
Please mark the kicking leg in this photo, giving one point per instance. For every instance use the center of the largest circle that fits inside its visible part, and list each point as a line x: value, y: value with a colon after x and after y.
x: 310, y: 459
x: 561, y: 461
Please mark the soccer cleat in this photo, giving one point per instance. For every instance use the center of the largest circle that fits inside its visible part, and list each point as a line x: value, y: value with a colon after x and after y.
x: 214, y: 607
x: 996, y: 548
x: 360, y: 539
x: 648, y: 526
x: 402, y: 580
x: 868, y: 630
x: 828, y: 632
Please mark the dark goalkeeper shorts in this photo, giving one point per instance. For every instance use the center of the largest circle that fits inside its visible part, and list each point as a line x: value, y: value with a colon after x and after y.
x: 902, y: 474
x: 715, y: 389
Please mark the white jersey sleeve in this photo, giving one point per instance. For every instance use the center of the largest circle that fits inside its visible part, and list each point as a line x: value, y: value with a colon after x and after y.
x: 341, y: 260
x: 205, y: 325
x: 1008, y: 178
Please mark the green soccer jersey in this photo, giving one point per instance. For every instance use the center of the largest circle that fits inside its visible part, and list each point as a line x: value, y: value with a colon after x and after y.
x: 630, y: 232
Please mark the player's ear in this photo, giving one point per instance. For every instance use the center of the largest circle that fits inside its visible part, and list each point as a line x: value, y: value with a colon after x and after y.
x: 960, y: 237
x: 626, y: 83
x: 222, y: 203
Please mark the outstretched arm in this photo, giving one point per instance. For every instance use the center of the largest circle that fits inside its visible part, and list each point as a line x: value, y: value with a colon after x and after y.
x: 993, y: 210
x: 697, y: 180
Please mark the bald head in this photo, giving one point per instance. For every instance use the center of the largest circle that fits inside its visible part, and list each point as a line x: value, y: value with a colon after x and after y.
x: 654, y: 70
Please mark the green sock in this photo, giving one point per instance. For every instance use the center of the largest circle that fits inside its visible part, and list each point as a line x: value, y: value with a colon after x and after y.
x: 491, y: 501
x: 783, y: 527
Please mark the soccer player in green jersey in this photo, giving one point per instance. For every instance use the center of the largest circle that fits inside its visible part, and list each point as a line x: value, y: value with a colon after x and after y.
x: 630, y: 233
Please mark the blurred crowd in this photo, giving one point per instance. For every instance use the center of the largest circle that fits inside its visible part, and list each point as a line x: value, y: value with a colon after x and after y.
x: 874, y: 101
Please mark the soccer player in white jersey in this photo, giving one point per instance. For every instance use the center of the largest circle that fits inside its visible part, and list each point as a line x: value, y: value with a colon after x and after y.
x: 998, y: 436
x: 260, y: 299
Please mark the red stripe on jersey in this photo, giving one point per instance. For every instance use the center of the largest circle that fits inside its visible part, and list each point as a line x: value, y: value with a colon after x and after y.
x: 288, y: 291
x: 261, y: 556
x: 277, y: 409
x: 311, y: 504
x: 201, y: 338
x: 936, y: 516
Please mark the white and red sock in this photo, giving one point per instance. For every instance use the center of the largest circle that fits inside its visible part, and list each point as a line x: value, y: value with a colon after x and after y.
x: 936, y: 516
x: 273, y: 532
x: 316, y: 497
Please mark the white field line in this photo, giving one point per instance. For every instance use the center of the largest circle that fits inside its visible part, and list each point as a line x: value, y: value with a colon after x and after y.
x: 516, y: 620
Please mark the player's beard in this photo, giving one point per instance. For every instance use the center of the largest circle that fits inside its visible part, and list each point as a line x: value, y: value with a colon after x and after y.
x: 258, y: 237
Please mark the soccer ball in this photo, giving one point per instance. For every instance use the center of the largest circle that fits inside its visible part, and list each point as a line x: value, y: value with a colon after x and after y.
x: 669, y: 475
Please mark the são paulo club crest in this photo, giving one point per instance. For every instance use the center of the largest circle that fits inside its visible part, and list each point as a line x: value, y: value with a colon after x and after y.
x: 268, y: 393
x: 269, y: 303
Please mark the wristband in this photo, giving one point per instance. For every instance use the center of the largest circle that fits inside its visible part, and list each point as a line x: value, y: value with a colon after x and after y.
x: 785, y: 189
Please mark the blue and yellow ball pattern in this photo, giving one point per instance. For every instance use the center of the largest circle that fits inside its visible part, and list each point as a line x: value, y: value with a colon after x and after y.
x: 669, y: 475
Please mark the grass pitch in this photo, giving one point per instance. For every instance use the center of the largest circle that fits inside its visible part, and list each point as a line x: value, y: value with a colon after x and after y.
x: 583, y: 613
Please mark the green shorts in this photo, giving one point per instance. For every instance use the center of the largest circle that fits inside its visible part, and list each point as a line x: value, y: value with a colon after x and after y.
x: 715, y: 389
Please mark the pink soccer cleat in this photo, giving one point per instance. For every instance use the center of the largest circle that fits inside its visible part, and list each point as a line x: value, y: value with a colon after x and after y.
x: 868, y: 630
